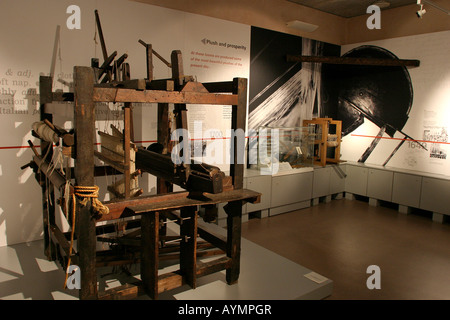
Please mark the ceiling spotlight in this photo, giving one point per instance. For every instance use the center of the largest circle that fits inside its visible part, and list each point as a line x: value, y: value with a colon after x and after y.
x: 421, y: 12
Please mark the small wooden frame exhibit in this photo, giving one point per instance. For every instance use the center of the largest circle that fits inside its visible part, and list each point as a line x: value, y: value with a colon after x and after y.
x: 327, y: 145
x: 181, y: 207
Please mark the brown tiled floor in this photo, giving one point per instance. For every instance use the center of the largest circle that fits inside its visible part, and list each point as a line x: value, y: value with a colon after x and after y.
x: 340, y: 239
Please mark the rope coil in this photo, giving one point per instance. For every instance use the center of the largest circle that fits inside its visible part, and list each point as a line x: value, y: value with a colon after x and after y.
x: 91, y: 193
x: 86, y: 193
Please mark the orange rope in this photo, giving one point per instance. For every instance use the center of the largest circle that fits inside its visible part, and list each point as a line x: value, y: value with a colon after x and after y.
x: 85, y: 193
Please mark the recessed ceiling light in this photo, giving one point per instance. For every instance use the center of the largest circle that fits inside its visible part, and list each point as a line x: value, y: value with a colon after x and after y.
x: 382, y: 4
x: 303, y: 26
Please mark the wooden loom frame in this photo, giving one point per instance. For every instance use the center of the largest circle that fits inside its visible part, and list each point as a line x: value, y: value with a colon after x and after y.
x: 150, y: 208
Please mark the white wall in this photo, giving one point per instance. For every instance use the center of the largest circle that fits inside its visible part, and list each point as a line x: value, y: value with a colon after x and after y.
x: 430, y: 109
x: 28, y: 35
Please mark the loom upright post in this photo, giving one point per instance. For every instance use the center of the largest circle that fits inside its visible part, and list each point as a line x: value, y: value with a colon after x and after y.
x: 84, y: 176
x: 48, y: 193
x: 234, y: 208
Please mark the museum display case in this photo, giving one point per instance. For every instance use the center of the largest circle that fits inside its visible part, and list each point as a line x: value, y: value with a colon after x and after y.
x: 281, y: 149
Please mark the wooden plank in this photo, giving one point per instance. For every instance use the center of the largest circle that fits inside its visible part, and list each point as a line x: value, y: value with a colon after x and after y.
x: 64, y: 245
x: 355, y: 61
x: 163, y: 136
x: 84, y: 119
x: 234, y: 223
x: 176, y: 200
x: 176, y: 60
x: 169, y: 281
x: 207, y: 234
x: 111, y: 155
x: 205, y: 268
x: 160, y: 96
x: 181, y: 121
x: 48, y: 193
x: 100, y: 32
x: 111, y: 258
x: 149, y: 56
x: 116, y: 165
x: 188, y: 245
x: 238, y: 116
x: 172, y: 201
x: 123, y: 292
x: 149, y: 253
x: 127, y: 146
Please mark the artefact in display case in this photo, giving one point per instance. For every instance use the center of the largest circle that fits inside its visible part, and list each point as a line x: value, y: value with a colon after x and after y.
x: 283, y: 149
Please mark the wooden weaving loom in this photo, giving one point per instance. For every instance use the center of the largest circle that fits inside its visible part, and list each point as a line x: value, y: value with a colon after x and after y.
x: 145, y: 237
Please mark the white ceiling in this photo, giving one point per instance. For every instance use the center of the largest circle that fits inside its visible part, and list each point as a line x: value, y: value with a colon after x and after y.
x: 348, y: 8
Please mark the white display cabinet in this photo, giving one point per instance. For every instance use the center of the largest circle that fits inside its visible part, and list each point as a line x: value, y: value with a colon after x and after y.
x: 321, y: 182
x: 406, y: 190
x: 291, y: 191
x: 328, y: 182
x: 379, y: 185
x: 435, y: 198
x: 300, y: 188
x: 338, y: 175
x: 356, y: 180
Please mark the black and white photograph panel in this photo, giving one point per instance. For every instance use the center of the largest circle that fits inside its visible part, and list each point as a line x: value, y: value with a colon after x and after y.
x: 281, y: 93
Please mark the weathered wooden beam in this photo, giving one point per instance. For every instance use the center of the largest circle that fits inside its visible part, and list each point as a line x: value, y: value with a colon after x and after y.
x: 64, y: 245
x: 55, y: 177
x: 48, y: 193
x: 111, y: 258
x: 188, y: 246
x: 163, y: 136
x: 149, y: 253
x: 167, y: 63
x: 149, y: 50
x: 119, y: 166
x: 355, y: 61
x: 123, y: 292
x: 238, y: 115
x: 209, y: 235
x: 234, y: 223
x: 169, y: 281
x: 127, y: 132
x: 176, y: 60
x: 176, y: 200
x: 159, y: 96
x: 205, y: 268
x: 84, y: 124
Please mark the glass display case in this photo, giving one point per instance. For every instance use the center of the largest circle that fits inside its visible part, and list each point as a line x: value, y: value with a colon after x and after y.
x: 281, y: 149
